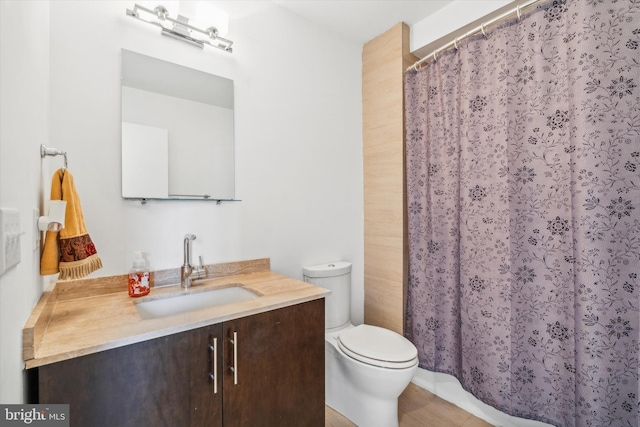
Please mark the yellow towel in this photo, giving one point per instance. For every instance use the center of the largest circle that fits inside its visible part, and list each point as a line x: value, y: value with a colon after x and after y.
x: 72, y: 253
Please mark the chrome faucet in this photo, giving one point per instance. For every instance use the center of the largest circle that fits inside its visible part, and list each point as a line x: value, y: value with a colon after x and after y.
x: 189, y: 272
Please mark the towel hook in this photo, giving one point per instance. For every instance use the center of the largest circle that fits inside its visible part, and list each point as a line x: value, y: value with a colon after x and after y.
x: 49, y: 151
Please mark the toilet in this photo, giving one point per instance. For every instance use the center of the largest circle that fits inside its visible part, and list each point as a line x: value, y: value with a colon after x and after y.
x: 366, y: 367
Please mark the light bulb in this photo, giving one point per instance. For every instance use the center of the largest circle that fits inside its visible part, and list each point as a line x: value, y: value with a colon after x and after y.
x: 207, y: 15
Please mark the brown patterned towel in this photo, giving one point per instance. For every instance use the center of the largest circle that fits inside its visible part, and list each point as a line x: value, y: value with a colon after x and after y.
x: 69, y: 251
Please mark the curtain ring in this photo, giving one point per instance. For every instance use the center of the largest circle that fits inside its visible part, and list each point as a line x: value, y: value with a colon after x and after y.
x: 518, y: 12
x: 455, y: 43
x: 435, y: 55
x: 482, y: 28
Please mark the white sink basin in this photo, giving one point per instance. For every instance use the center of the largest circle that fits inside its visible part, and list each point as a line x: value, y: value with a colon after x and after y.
x: 191, y: 301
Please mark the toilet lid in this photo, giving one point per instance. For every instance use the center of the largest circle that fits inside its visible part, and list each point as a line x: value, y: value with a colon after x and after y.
x: 378, y: 346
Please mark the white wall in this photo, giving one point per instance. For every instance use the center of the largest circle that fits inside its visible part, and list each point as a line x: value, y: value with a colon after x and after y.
x: 298, y: 140
x: 298, y: 146
x: 24, y: 118
x: 452, y: 21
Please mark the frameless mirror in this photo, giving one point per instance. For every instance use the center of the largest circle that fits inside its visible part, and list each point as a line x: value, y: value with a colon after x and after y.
x: 177, y: 131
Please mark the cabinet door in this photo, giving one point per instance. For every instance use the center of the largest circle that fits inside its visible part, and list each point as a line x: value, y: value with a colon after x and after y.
x: 278, y: 368
x: 161, y: 382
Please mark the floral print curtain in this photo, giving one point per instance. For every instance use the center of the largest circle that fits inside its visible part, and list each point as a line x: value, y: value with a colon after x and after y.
x: 523, y: 196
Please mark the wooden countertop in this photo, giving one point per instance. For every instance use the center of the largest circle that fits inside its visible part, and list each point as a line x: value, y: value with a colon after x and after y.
x: 79, y: 317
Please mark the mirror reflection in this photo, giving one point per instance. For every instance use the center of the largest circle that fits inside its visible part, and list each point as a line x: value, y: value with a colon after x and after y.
x: 177, y: 131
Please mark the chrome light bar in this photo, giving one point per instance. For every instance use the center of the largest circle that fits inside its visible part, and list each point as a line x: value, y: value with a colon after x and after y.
x: 179, y: 28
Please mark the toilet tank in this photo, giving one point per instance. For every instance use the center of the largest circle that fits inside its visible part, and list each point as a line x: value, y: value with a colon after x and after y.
x: 336, y: 277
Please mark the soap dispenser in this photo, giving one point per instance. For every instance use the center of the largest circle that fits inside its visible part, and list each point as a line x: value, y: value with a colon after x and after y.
x: 139, y: 277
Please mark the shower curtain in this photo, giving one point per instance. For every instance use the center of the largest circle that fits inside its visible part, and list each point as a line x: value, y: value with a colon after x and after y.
x: 523, y: 198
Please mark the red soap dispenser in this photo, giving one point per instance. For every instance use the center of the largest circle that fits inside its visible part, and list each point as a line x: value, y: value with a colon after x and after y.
x: 139, y: 277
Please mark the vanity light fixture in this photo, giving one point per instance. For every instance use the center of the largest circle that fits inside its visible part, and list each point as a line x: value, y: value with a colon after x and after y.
x: 55, y: 220
x: 179, y: 28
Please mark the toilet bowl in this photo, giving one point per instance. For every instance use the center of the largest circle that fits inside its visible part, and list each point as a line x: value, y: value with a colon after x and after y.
x: 366, y: 367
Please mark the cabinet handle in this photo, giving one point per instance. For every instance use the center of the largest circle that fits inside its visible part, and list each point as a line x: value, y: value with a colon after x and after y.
x: 214, y: 356
x: 234, y: 368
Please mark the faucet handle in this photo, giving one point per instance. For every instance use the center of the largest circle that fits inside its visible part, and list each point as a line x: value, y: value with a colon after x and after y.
x: 200, y: 272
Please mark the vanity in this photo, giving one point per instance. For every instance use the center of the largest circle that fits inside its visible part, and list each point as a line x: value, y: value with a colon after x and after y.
x: 254, y: 358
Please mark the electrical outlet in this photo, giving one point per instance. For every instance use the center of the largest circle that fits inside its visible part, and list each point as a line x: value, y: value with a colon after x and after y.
x: 9, y: 238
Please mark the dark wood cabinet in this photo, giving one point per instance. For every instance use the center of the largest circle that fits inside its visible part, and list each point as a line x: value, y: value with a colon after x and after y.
x: 160, y: 382
x: 270, y: 372
x: 280, y: 368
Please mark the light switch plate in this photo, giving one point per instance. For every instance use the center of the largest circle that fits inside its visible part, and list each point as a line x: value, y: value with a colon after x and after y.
x: 36, y: 230
x: 9, y: 238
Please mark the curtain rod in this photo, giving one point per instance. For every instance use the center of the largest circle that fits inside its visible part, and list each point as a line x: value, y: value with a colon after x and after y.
x: 479, y: 29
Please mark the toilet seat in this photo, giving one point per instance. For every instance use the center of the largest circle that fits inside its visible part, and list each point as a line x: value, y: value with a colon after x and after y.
x: 378, y: 346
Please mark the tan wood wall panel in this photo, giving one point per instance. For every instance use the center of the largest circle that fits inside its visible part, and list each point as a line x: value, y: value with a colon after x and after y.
x: 384, y: 60
x: 383, y: 305
x: 383, y: 257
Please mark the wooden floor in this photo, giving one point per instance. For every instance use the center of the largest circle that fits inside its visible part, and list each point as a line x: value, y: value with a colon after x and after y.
x: 419, y: 408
